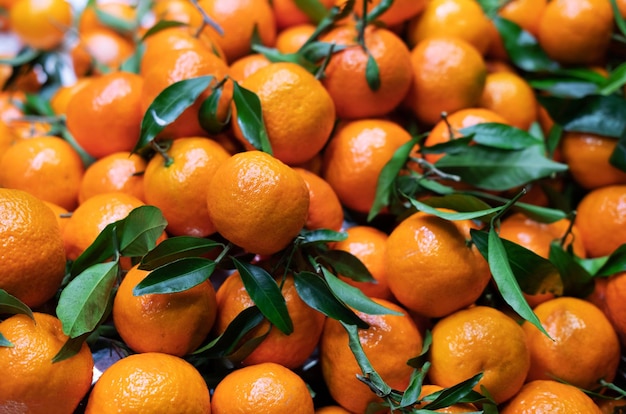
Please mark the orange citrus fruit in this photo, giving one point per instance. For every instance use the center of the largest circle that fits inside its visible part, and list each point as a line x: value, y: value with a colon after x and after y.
x: 389, y: 342
x: 47, y: 167
x: 262, y: 389
x: 150, y: 382
x: 613, y: 306
x: 288, y: 14
x: 247, y: 65
x: 291, y: 39
x: 100, y: 50
x: 296, y: 131
x: 31, y: 381
x: 430, y: 267
x: 576, y: 328
x: 33, y: 263
x: 40, y: 24
x: 172, y: 323
x: 62, y: 96
x: 242, y: 197
x: 480, y: 339
x: 548, y: 396
x: 121, y: 10
x: 448, y: 75
x: 510, y: 96
x: 179, y: 189
x: 400, y: 10
x: 325, y: 209
x: 290, y: 350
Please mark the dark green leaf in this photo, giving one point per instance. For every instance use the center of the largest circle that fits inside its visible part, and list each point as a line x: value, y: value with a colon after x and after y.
x: 447, y: 215
x: 422, y: 358
x: 208, y: 116
x: 250, y: 118
x: 316, y: 293
x: 140, y: 230
x: 161, y: 25
x: 453, y: 395
x: 501, y: 136
x: 553, y: 139
x: 387, y: 177
x: 10, y: 305
x: 538, y: 213
x: 354, y: 298
x: 346, y: 264
x: 615, y: 263
x: 312, y: 8
x: 25, y: 56
x: 244, y: 350
x: 618, y: 157
x: 381, y: 387
x: 616, y: 80
x: 563, y: 87
x: 133, y: 63
x: 85, y: 300
x: 175, y: 248
x: 316, y: 51
x: 321, y: 236
x: 5, y: 342
x: 224, y: 344
x: 576, y: 280
x: 37, y: 105
x: 523, y: 49
x: 461, y: 203
x: 379, y: 9
x: 71, y: 347
x: 274, y: 55
x: 116, y: 23
x: 100, y: 250
x: 372, y: 73
x: 336, y: 13
x: 176, y: 276
x: 619, y: 19
x: 266, y: 294
x: 593, y: 265
x: 496, y: 169
x: 454, y: 146
x: 169, y: 105
x: 502, y: 273
x: 582, y: 73
x: 596, y: 114
x: 412, y: 393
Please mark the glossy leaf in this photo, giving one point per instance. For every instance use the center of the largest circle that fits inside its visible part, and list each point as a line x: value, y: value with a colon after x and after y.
x: 208, y: 113
x: 454, y: 146
x: 576, y: 280
x: 161, y: 25
x: 346, y: 264
x: 614, y: 263
x: 102, y: 248
x: 447, y: 215
x: 564, y: 87
x: 372, y: 73
x: 239, y: 327
x: 315, y: 292
x: 71, y: 347
x: 250, y: 118
x: 169, y: 105
x: 453, y: 395
x: 388, y: 175
x: 316, y: 51
x: 5, y: 342
x: 414, y: 389
x: 596, y: 114
x: 616, y: 81
x: 538, y: 213
x: 422, y: 358
x: 497, y: 169
x: 37, y: 105
x: 312, y: 8
x: 176, y: 276
x: 618, y: 157
x: 85, y: 300
x: 335, y: 14
x: 10, y: 305
x: 501, y: 136
x: 266, y: 294
x: 354, y: 298
x: 321, y: 236
x: 502, y: 273
x: 174, y: 248
x: 523, y: 49
x: 461, y: 203
x: 619, y: 19
x: 140, y: 230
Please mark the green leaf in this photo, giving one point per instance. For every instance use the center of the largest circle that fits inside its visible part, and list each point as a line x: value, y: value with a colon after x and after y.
x: 132, y: 64
x: 453, y: 395
x: 140, y: 230
x: 388, y: 175
x: 250, y: 118
x: 523, y: 49
x: 502, y: 273
x: 174, y: 248
x: 86, y: 299
x: 176, y: 276
x: 453, y: 216
x: 614, y: 263
x: 619, y: 20
x: 161, y: 25
x: 564, y: 87
x: 102, y: 248
x: 414, y: 389
x: 495, y: 135
x: 538, y: 213
x: 71, y: 347
x: 346, y: 264
x: 114, y: 22
x: 354, y: 298
x: 169, y: 105
x: 266, y: 294
x: 37, y: 105
x: 596, y: 114
x: 372, y: 73
x: 616, y: 80
x: 5, y: 342
x: 25, y: 56
x: 239, y: 327
x: 316, y: 51
x: 207, y: 115
x: 379, y: 9
x: 576, y: 280
x: 336, y: 13
x: 618, y: 157
x: 454, y: 146
x: 316, y: 293
x: 10, y: 305
x: 312, y: 8
x: 321, y: 236
x: 553, y: 139
x: 497, y: 169
x: 374, y: 379
x: 422, y: 358
x: 461, y: 203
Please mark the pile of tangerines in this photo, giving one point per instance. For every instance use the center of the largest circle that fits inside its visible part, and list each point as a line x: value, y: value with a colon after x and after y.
x: 312, y: 206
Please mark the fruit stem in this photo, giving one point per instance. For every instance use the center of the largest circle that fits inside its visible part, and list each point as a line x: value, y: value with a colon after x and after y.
x: 163, y: 152
x: 206, y: 20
